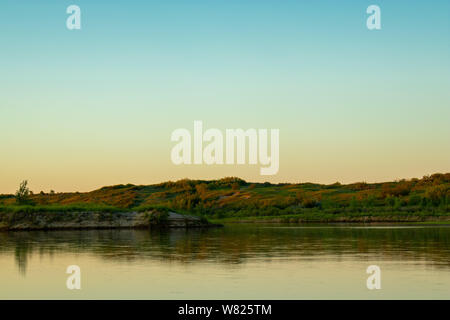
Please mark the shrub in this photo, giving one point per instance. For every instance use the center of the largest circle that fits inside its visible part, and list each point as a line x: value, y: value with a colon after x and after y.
x: 390, y: 201
x: 23, y: 194
x: 437, y: 193
x: 354, y: 204
x: 159, y: 217
x: 310, y: 203
x: 414, y: 200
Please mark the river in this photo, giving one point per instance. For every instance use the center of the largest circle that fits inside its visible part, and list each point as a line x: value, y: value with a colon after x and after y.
x: 238, y: 261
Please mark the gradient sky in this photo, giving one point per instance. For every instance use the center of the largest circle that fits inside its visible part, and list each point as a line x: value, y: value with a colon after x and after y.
x: 92, y: 107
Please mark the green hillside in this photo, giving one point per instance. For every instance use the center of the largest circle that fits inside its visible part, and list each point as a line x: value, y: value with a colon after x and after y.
x: 233, y: 198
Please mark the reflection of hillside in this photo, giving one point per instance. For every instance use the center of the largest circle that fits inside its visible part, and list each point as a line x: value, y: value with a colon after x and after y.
x: 237, y: 244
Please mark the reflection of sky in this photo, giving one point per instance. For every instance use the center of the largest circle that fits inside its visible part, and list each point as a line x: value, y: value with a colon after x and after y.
x: 235, y: 245
x: 244, y: 262
x: 83, y: 109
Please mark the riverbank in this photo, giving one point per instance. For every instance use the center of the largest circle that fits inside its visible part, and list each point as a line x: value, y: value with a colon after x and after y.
x: 235, y: 200
x: 99, y: 220
x: 104, y: 217
x: 383, y: 217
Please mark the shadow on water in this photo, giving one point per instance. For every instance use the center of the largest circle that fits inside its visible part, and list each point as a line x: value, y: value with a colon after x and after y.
x: 237, y: 244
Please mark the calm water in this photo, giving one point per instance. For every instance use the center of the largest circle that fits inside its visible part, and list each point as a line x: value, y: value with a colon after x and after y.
x: 235, y: 262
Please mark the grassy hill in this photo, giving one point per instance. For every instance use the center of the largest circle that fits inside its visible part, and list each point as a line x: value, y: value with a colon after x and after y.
x: 234, y: 199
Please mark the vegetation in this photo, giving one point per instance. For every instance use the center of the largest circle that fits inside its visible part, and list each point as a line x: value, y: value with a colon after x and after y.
x: 81, y: 207
x: 235, y: 199
x: 159, y: 217
x: 23, y: 194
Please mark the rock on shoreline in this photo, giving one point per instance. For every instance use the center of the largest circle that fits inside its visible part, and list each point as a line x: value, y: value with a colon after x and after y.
x: 99, y: 220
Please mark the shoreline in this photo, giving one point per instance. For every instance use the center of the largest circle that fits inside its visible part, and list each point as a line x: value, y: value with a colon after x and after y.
x: 340, y: 219
x: 22, y: 221
x: 91, y: 220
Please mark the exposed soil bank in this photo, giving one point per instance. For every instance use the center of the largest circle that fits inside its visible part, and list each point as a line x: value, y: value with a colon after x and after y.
x: 98, y: 220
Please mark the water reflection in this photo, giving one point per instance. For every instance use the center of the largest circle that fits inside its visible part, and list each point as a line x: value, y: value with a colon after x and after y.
x: 237, y: 244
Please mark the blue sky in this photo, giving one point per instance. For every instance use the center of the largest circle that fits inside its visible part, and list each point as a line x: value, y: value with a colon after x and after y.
x: 83, y: 108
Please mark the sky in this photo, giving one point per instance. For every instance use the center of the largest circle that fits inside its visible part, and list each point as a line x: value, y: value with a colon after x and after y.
x: 81, y: 109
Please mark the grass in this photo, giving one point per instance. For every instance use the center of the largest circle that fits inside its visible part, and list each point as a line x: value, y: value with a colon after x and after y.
x: 234, y: 199
x: 83, y: 207
x: 417, y: 217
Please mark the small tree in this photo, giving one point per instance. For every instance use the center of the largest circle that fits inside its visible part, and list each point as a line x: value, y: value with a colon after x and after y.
x: 23, y: 194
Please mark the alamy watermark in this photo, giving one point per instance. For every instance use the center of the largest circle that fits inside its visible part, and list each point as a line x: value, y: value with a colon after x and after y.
x: 374, y: 20
x: 74, y: 280
x: 229, y: 148
x: 374, y: 280
x: 73, y: 21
